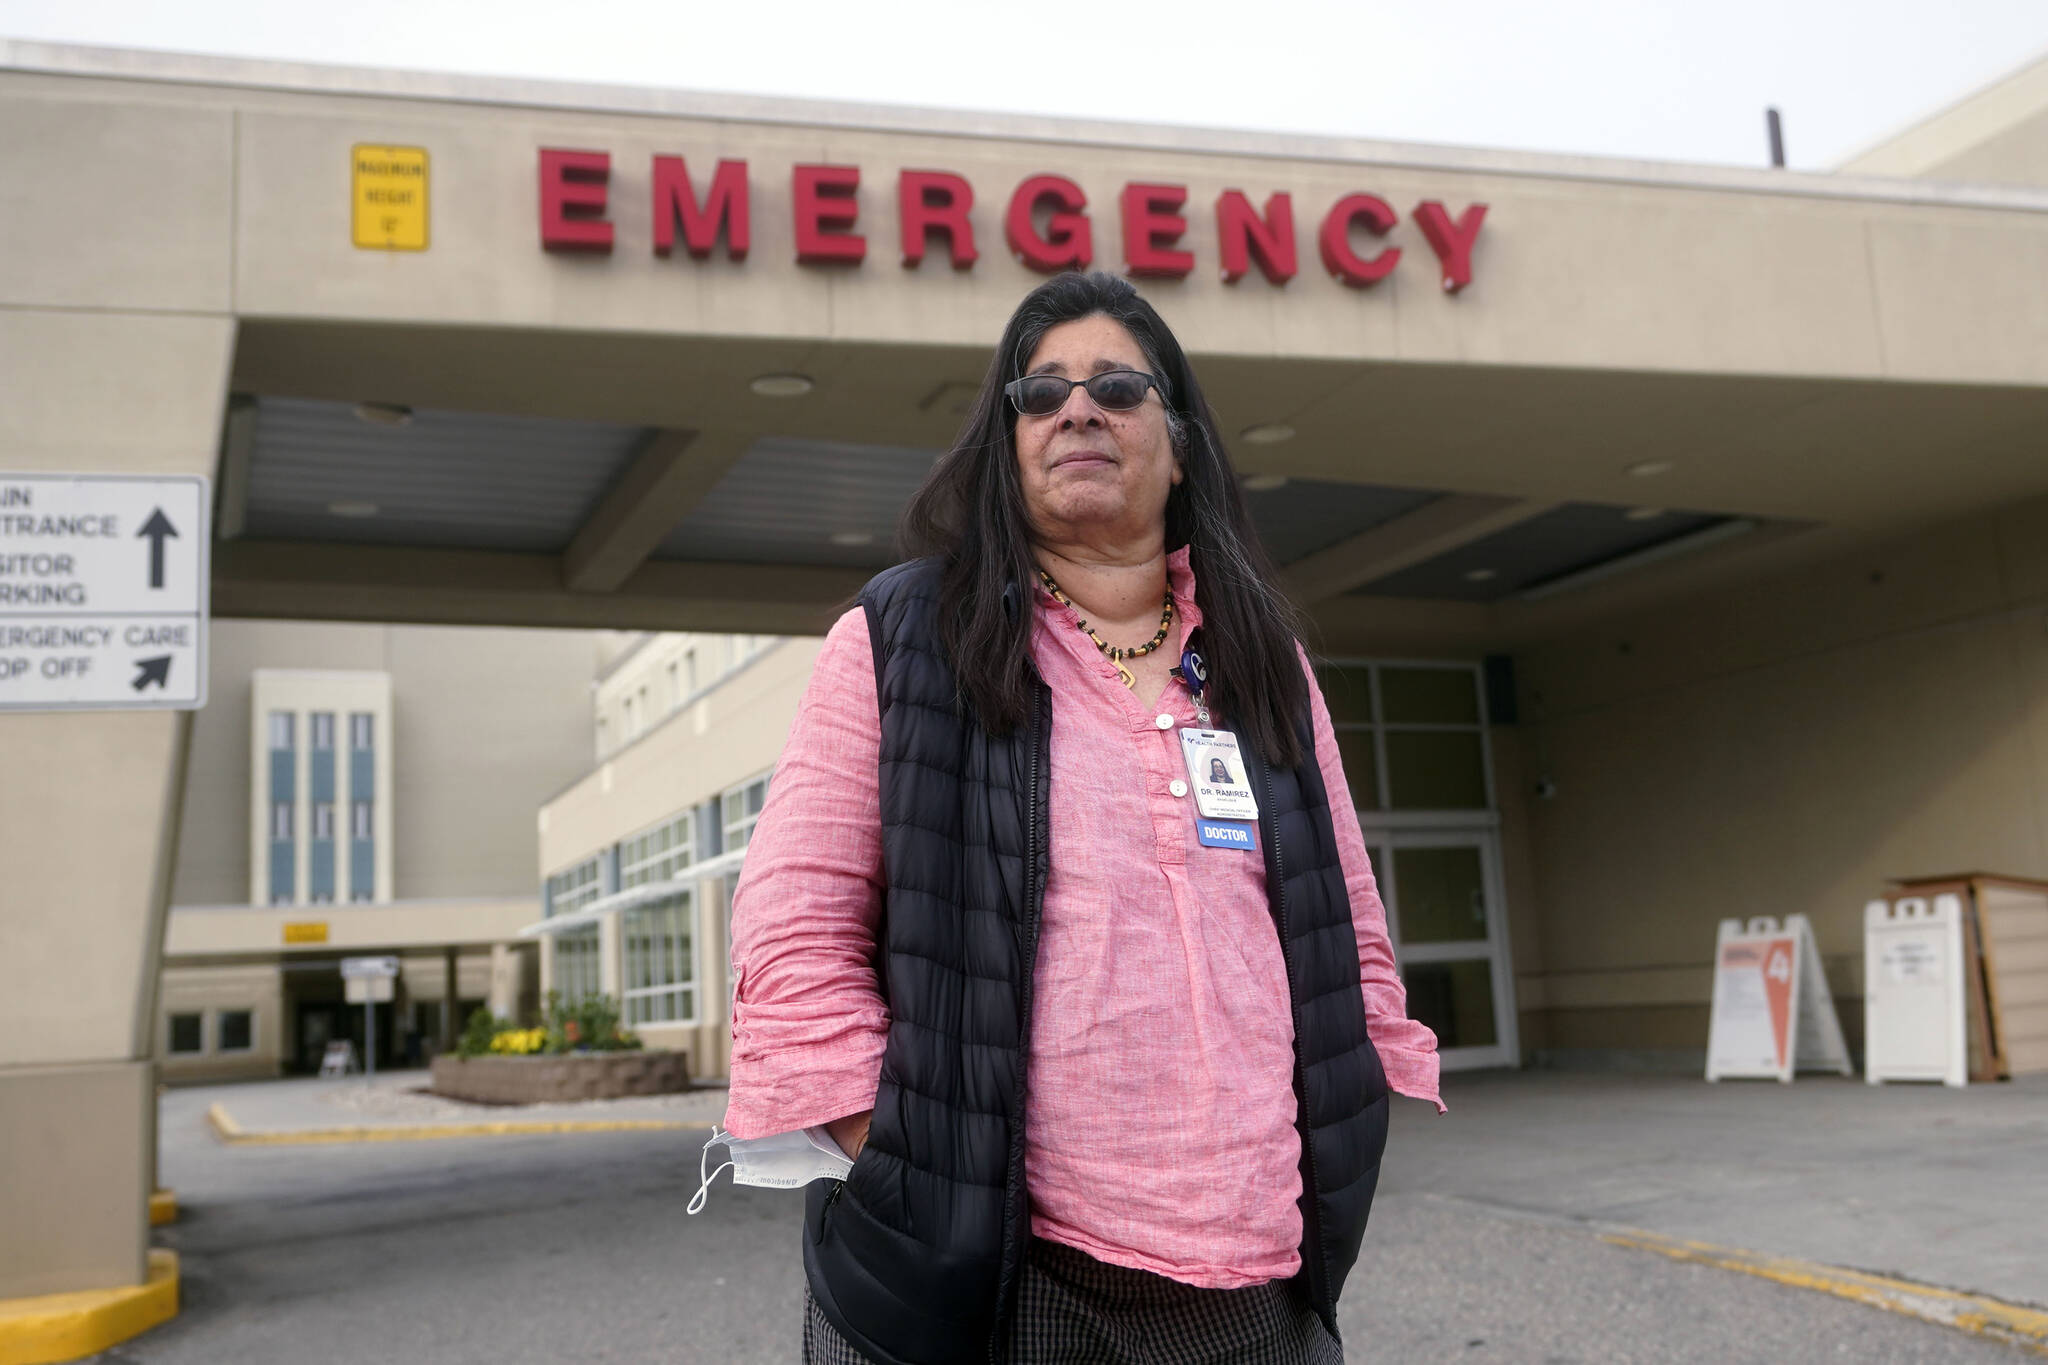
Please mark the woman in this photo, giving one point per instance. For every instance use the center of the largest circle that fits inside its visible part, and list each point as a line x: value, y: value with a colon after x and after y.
x: 1111, y: 1066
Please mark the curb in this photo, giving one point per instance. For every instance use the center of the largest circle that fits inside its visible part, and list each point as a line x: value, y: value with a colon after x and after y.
x: 1973, y: 1313
x: 163, y: 1207
x: 58, y: 1327
x: 228, y: 1131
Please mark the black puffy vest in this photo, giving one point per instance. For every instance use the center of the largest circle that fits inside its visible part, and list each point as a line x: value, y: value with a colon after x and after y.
x: 914, y: 1256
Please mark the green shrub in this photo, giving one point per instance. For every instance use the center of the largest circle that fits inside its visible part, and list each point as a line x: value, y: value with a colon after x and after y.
x: 589, y: 1024
x: 478, y: 1032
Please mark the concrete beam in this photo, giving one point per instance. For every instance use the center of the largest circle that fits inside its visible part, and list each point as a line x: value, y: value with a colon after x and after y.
x: 237, y: 444
x: 1430, y: 530
x: 327, y: 582
x: 667, y: 478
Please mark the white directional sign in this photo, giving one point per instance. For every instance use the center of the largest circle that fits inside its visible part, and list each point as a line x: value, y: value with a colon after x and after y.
x: 368, y: 968
x: 103, y: 591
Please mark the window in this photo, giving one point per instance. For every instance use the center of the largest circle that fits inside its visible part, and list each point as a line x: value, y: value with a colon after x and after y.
x: 1411, y: 736
x: 320, y: 726
x: 361, y: 730
x: 362, y: 852
x: 661, y: 961
x: 658, y: 854
x: 571, y: 890
x: 740, y: 808
x: 187, y: 1034
x: 323, y: 820
x: 576, y: 965
x: 281, y: 730
x: 675, y: 686
x: 235, y: 1030
x: 281, y: 821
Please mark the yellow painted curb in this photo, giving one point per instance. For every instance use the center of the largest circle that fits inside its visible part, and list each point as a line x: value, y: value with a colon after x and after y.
x: 55, y: 1327
x: 163, y: 1208
x: 231, y: 1132
x: 1973, y: 1313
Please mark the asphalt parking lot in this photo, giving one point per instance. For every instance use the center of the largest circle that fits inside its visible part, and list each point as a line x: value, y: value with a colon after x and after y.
x: 576, y: 1247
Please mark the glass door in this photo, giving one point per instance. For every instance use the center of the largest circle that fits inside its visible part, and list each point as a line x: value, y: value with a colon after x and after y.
x: 1444, y: 917
x: 1413, y: 737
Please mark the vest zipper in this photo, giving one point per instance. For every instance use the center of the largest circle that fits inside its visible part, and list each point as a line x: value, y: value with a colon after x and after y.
x: 1319, y: 1271
x: 1033, y: 910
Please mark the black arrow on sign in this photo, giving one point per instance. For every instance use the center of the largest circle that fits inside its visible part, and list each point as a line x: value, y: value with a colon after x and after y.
x: 157, y: 670
x: 156, y: 528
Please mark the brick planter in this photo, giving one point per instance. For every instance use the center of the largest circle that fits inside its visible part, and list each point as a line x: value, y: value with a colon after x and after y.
x: 560, y: 1080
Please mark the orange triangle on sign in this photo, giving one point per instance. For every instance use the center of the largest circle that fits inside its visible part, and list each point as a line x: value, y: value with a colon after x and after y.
x: 1777, y: 969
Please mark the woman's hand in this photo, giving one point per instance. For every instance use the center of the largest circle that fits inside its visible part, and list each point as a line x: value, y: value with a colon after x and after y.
x: 851, y: 1132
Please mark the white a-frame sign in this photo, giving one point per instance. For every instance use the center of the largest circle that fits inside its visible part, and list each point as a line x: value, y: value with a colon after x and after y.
x: 1772, y: 1011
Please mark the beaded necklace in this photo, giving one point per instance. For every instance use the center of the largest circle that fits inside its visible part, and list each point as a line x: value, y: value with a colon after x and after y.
x: 1115, y: 654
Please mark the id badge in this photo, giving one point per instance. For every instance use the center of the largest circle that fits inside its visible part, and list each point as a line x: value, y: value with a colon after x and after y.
x: 1216, y: 772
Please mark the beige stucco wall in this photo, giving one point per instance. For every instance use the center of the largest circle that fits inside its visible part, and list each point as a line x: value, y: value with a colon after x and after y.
x: 1786, y: 746
x: 732, y: 733
x: 1994, y: 136
x: 114, y: 349
x: 207, y: 991
x: 1785, y: 274
x: 210, y: 930
x: 487, y: 724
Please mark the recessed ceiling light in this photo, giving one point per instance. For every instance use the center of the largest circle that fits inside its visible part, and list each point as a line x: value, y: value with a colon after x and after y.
x: 1264, y: 483
x: 781, y: 385
x: 1650, y: 468
x: 1266, y: 434
x: 853, y: 537
x: 1643, y: 513
x: 352, y: 508
x: 384, y: 414
x: 1478, y: 575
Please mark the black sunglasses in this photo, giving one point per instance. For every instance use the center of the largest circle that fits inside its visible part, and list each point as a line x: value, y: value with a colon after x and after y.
x: 1040, y: 395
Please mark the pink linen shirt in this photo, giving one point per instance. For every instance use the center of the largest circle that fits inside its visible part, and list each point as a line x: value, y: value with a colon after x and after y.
x: 1159, y: 1117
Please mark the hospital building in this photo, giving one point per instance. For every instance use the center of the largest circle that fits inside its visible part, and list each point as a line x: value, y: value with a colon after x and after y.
x: 1674, y: 538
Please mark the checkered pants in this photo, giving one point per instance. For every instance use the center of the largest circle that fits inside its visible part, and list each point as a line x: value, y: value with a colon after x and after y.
x: 1074, y: 1310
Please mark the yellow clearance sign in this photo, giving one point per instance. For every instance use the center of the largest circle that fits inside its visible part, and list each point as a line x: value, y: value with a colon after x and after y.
x: 305, y: 931
x: 390, y: 197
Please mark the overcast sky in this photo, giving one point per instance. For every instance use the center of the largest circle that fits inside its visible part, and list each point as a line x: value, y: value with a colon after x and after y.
x: 1682, y: 80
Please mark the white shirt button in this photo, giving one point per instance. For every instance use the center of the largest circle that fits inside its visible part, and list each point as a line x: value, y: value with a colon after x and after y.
x: 1177, y: 787
x: 1163, y: 721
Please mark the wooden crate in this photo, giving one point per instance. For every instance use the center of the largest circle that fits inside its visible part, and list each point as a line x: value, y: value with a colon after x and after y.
x: 2005, y: 950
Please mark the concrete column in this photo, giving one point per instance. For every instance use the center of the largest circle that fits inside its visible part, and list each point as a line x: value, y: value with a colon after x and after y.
x: 504, y: 1000
x: 715, y: 957
x: 611, y: 967
x: 90, y: 801
x: 714, y: 1030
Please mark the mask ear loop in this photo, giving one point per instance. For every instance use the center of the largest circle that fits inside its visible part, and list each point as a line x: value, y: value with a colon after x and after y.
x: 719, y: 1138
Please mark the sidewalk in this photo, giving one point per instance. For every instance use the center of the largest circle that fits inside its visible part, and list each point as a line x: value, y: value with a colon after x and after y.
x: 1945, y: 1187
x: 389, y: 1106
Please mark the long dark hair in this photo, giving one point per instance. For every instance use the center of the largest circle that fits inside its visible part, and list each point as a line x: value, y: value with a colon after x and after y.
x: 970, y: 514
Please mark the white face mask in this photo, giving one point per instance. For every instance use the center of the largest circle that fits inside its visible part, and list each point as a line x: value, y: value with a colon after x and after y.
x: 781, y: 1161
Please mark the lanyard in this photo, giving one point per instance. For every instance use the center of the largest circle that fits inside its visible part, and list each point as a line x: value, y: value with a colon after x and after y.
x: 1194, y: 673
